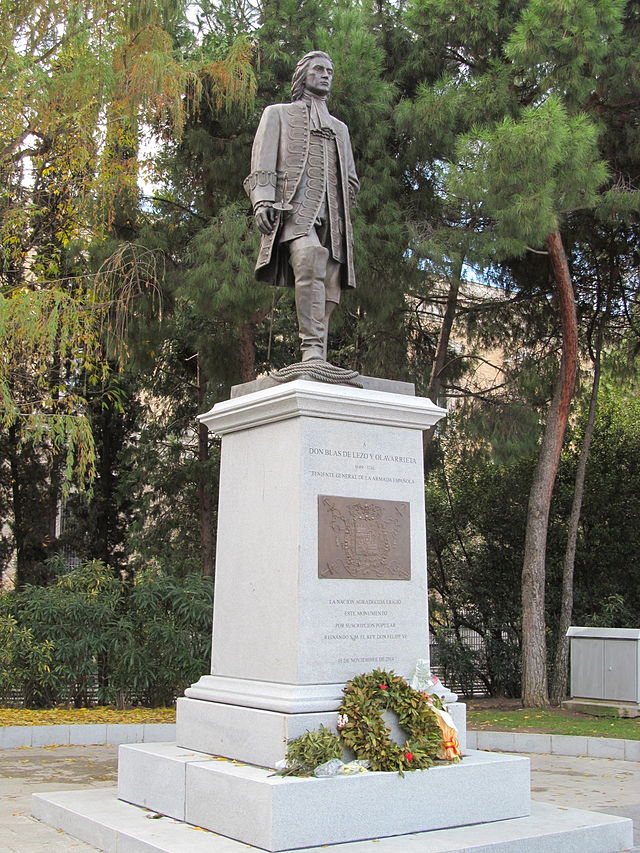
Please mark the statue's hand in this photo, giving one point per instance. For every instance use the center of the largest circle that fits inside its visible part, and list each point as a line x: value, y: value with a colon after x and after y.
x: 265, y: 217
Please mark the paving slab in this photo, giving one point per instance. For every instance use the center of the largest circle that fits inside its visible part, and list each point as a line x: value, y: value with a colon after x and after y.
x: 596, y: 784
x: 25, y: 771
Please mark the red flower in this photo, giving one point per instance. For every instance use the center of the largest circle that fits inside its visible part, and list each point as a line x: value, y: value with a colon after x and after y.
x: 382, y: 686
x: 408, y: 756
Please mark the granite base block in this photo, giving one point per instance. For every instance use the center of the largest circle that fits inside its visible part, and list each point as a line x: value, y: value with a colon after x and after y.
x: 287, y: 813
x: 255, y: 735
x: 246, y: 734
x: 154, y: 776
x: 503, y: 741
x: 125, y: 733
x: 87, y: 815
x: 371, y: 383
x: 159, y: 732
x: 602, y: 707
x: 99, y: 818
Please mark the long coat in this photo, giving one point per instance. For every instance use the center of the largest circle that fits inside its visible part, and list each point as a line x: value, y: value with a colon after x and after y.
x: 281, y: 145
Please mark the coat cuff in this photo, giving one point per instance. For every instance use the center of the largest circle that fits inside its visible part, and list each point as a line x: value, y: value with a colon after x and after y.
x: 261, y: 186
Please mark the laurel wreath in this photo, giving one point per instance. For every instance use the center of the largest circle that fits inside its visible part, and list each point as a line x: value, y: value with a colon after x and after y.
x: 364, y: 730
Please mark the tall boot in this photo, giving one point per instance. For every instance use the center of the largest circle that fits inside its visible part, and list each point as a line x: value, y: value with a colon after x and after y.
x: 332, y: 298
x: 309, y: 264
x: 328, y: 311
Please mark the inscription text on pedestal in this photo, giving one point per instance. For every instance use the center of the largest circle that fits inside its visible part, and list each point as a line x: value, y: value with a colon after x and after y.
x: 363, y: 539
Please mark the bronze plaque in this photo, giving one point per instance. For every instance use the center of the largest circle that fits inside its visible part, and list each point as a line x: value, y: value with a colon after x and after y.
x: 363, y: 539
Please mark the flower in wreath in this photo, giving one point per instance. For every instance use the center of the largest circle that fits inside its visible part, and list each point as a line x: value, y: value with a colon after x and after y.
x: 342, y: 721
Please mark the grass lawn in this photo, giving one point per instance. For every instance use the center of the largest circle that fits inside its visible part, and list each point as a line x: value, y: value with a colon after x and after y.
x: 63, y: 716
x: 551, y: 720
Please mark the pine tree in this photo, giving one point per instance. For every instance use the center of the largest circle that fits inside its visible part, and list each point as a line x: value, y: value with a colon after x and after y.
x: 511, y: 113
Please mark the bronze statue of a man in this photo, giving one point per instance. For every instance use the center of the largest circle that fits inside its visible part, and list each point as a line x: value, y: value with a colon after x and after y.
x: 302, y: 185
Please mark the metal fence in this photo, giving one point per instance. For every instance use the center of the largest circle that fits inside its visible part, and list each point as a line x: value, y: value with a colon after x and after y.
x: 464, y: 684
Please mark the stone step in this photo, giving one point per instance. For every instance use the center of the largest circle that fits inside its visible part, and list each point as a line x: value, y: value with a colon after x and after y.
x: 290, y: 812
x: 602, y: 707
x: 99, y: 818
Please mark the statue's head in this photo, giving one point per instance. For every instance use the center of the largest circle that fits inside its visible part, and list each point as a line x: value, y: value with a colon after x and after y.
x: 314, y: 73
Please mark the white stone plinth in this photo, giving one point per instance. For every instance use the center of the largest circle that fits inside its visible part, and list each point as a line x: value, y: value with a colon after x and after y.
x: 255, y: 735
x: 254, y: 806
x: 284, y: 638
x: 246, y: 734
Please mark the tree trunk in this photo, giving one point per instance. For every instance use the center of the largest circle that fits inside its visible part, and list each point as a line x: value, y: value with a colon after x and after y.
x: 104, y: 497
x: 18, y: 528
x: 247, y: 352
x: 561, y: 660
x: 534, y: 649
x: 440, y: 359
x: 247, y: 333
x: 55, y: 478
x: 205, y: 497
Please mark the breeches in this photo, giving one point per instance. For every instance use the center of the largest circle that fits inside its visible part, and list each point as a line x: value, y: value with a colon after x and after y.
x: 319, y: 237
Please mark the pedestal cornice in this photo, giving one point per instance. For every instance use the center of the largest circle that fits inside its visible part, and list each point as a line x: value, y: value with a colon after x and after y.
x: 303, y: 398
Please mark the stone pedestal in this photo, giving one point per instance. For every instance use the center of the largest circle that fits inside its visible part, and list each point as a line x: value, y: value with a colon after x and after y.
x: 321, y: 563
x: 321, y: 560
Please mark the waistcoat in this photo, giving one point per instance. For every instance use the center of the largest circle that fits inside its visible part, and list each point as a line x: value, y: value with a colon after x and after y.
x: 318, y: 196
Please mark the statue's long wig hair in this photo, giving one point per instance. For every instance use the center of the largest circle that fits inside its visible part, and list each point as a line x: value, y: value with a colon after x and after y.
x: 300, y: 74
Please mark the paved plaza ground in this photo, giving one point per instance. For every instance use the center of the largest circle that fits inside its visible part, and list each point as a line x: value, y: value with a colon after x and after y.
x: 597, y: 784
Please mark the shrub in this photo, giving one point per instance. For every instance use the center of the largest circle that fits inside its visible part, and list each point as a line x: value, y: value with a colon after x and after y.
x: 93, y: 635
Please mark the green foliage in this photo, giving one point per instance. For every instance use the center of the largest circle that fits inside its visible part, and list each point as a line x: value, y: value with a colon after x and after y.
x: 477, y: 127
x: 42, y: 331
x: 614, y: 612
x: 139, y: 644
x: 477, y: 513
x: 163, y: 640
x: 576, y: 39
x: 607, y: 565
x: 25, y: 663
x: 311, y: 749
x: 373, y: 335
x: 78, y: 85
x: 521, y: 174
x: 221, y: 259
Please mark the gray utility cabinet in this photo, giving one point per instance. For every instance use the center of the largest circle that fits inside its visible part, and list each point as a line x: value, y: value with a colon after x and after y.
x: 605, y: 663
